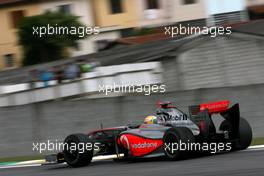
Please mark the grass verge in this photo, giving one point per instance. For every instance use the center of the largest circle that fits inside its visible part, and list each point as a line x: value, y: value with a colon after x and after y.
x: 21, y: 158
x: 258, y: 141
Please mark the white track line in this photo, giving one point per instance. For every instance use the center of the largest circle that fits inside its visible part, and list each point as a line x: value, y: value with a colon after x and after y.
x: 256, y: 146
x: 98, y: 158
x: 31, y: 162
x: 34, y: 163
x: 17, y: 166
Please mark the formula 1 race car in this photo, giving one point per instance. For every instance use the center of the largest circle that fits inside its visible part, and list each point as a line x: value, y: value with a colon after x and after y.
x: 160, y: 134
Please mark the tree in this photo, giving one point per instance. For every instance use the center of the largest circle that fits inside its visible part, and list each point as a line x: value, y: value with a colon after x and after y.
x: 39, y: 47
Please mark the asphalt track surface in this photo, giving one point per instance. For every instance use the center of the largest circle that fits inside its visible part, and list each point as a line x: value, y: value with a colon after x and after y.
x: 243, y: 163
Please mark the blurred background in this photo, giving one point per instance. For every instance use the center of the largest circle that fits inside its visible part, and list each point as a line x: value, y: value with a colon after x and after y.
x: 49, y: 87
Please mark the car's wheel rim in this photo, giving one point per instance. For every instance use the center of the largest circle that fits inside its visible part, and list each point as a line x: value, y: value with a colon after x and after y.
x: 170, y: 139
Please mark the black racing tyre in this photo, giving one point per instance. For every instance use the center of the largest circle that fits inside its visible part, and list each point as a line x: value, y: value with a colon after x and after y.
x: 245, y: 133
x: 173, y: 137
x: 78, y: 150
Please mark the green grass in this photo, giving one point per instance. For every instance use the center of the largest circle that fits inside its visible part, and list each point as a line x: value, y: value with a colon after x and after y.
x: 258, y: 141
x: 21, y: 158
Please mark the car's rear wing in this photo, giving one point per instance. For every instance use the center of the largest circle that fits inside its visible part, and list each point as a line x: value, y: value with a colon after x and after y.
x: 213, y: 107
x: 232, y: 115
x: 202, y: 113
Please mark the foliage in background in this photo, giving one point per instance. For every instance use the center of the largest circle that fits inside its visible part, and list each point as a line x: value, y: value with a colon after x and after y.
x: 49, y: 47
x: 144, y: 31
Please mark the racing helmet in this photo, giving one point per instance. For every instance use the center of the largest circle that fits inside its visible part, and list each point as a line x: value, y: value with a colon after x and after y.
x: 151, y: 120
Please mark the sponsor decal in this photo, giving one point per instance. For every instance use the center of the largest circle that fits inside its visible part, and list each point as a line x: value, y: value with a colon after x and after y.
x: 140, y: 146
x: 124, y: 141
x: 145, y: 145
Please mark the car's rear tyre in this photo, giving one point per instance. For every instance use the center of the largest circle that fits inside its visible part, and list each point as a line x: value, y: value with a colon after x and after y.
x: 173, y: 138
x: 245, y: 133
x: 80, y: 155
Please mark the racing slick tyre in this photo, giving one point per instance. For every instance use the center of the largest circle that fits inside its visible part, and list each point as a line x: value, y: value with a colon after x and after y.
x: 173, y: 139
x: 77, y: 154
x: 245, y: 133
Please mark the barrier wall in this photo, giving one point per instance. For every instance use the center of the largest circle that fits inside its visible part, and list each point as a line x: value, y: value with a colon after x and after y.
x: 22, y: 125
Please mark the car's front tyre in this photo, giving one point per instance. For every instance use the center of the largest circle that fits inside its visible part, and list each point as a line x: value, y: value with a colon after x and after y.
x: 76, y: 153
x: 172, y: 140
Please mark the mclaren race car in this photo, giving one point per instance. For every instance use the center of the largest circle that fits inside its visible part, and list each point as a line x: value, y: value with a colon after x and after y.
x: 163, y: 134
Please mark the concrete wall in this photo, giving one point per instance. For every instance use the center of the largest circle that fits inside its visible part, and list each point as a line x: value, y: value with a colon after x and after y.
x: 22, y: 125
x: 218, y: 62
